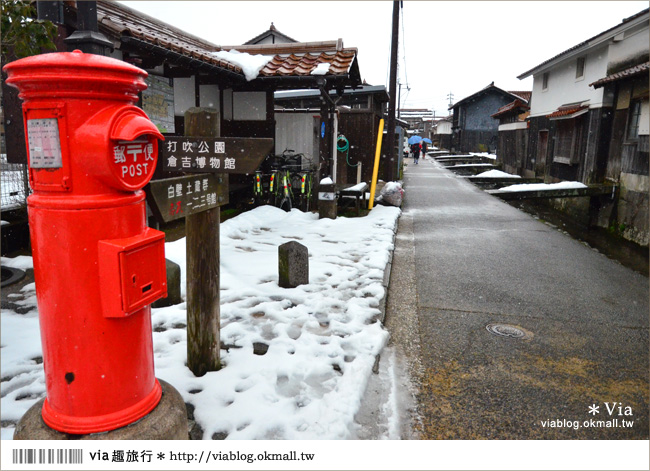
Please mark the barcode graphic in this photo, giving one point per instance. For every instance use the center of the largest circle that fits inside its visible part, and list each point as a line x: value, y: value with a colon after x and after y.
x: 47, y: 456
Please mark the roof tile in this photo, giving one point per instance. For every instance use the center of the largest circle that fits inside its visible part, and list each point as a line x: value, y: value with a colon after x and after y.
x: 510, y: 107
x: 289, y: 59
x: 627, y: 73
x: 565, y: 111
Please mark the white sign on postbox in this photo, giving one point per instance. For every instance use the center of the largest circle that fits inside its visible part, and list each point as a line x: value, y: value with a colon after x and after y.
x: 44, y: 145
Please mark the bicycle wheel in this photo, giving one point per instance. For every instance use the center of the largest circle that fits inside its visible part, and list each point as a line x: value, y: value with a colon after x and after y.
x: 285, y: 204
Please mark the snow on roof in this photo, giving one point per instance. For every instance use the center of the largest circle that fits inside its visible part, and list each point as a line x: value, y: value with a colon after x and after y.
x: 321, y: 69
x: 250, y: 65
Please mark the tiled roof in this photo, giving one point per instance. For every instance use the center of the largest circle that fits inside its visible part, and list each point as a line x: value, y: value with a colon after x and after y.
x: 289, y: 59
x: 623, y: 74
x: 489, y: 88
x: 523, y: 95
x: 300, y: 59
x: 123, y: 21
x: 584, y: 43
x: 515, y: 105
x: 567, y: 111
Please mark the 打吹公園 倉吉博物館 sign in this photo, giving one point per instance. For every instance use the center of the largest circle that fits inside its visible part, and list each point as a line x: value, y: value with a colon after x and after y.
x: 240, y: 155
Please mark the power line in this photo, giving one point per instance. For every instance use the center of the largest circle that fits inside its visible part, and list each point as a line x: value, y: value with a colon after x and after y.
x: 403, y: 42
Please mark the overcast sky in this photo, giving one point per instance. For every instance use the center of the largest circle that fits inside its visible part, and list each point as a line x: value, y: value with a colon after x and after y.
x: 456, y: 47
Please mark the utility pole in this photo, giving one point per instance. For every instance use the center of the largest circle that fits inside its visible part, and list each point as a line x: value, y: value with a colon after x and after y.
x: 399, y: 98
x: 451, y: 97
x: 390, y: 170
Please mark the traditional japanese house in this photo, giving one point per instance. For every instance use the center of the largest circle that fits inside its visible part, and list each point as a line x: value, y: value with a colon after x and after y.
x: 474, y: 129
x: 442, y: 133
x: 513, y: 136
x: 589, y: 123
x: 297, y: 116
x: 186, y: 71
x: 627, y: 163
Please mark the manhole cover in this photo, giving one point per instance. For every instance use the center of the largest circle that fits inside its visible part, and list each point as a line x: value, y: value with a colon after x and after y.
x: 506, y: 330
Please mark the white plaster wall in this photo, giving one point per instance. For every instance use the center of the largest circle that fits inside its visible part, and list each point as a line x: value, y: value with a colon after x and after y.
x: 634, y: 43
x: 564, y: 88
x: 513, y: 126
x: 209, y: 96
x: 444, y: 127
x: 249, y: 106
x: 116, y: 54
x: 184, y: 95
x: 295, y: 131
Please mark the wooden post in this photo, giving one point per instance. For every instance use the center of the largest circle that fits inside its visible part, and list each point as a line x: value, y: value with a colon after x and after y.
x: 390, y: 167
x: 202, y: 229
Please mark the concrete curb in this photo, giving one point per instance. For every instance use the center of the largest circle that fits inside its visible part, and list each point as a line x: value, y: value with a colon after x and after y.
x: 387, y: 271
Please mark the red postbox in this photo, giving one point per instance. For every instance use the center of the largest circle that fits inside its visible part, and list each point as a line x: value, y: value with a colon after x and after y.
x: 97, y: 266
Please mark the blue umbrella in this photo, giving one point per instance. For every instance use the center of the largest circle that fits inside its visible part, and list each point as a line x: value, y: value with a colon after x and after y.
x: 427, y: 140
x: 414, y: 139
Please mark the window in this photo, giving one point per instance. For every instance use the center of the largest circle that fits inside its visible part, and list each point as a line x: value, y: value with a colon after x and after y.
x: 580, y: 68
x: 633, y: 122
x: 564, y: 143
x: 545, y: 81
x: 567, y: 141
x: 249, y: 106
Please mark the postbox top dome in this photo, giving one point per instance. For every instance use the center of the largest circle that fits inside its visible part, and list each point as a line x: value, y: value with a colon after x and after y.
x: 75, y: 75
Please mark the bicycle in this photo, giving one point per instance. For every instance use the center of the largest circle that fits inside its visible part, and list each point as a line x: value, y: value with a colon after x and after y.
x: 303, y: 184
x: 280, y: 189
x: 281, y: 181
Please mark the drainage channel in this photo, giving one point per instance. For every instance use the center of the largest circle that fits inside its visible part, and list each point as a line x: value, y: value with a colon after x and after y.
x: 627, y: 253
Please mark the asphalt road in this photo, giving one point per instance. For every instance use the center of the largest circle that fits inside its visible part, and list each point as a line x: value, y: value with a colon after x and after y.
x: 582, y: 359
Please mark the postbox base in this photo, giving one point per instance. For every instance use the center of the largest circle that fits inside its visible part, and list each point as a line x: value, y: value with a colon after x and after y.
x: 168, y: 421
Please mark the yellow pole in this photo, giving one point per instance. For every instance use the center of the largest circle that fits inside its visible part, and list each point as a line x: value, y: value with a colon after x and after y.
x: 375, y: 170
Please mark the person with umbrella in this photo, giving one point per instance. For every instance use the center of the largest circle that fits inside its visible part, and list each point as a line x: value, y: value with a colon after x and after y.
x: 415, y: 147
x: 424, y: 145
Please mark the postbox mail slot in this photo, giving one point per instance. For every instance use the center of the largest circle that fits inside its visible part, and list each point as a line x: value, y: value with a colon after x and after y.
x: 132, y: 273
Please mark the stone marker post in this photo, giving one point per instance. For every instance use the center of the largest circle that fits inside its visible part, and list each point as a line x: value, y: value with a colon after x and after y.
x: 293, y: 265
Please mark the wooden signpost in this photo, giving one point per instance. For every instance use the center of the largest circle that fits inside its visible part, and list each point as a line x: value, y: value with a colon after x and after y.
x: 179, y: 197
x: 197, y: 198
x: 223, y: 154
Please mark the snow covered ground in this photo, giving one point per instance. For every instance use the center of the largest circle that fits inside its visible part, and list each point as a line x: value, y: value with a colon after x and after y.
x: 322, y: 337
x: 544, y: 186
